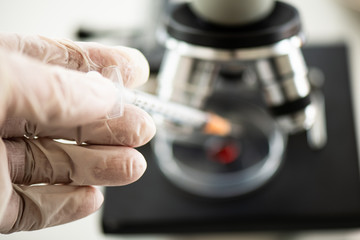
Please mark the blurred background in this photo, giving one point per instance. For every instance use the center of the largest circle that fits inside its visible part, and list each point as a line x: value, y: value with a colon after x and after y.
x: 325, y: 22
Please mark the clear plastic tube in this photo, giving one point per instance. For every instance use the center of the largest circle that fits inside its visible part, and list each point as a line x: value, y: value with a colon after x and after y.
x: 206, y: 122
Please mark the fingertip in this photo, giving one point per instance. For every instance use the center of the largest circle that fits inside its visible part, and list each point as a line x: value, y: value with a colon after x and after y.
x: 148, y: 130
x: 144, y: 127
x: 132, y: 168
x: 98, y: 198
x: 136, y: 70
x: 92, y: 200
x: 132, y: 63
x: 140, y: 127
x: 123, y: 165
x: 141, y: 167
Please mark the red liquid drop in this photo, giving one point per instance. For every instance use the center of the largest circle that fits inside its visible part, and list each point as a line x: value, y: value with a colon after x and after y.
x: 225, y: 154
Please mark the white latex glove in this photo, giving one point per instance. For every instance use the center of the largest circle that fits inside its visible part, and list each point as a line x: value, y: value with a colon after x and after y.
x: 45, y: 94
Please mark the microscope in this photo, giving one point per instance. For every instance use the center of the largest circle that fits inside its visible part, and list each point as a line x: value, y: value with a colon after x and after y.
x: 229, y: 57
x: 286, y: 168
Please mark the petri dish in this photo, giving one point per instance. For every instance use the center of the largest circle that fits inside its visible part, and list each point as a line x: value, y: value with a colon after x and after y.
x: 222, y: 167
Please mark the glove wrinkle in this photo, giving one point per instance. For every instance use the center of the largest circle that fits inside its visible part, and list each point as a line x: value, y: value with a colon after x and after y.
x: 6, y: 195
x: 58, y: 161
x: 30, y: 216
x: 15, y: 150
x: 30, y: 165
x: 40, y: 168
x: 113, y: 137
x: 77, y: 58
x: 30, y: 129
x: 14, y: 210
x: 78, y: 136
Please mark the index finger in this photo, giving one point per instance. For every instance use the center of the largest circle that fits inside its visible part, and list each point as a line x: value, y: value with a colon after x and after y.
x: 52, y: 95
x: 81, y: 56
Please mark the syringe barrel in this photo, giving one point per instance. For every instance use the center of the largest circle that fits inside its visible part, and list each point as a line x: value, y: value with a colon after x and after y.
x: 170, y: 111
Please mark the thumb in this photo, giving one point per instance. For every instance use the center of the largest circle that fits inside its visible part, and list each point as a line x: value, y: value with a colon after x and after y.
x: 52, y: 95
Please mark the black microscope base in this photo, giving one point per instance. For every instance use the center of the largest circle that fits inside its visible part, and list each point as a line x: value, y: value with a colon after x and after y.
x: 312, y: 190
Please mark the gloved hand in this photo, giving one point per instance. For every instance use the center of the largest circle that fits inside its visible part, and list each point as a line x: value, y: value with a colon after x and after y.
x: 45, y: 94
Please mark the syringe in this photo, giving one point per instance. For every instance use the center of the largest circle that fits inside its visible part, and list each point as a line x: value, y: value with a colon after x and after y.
x: 206, y: 122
